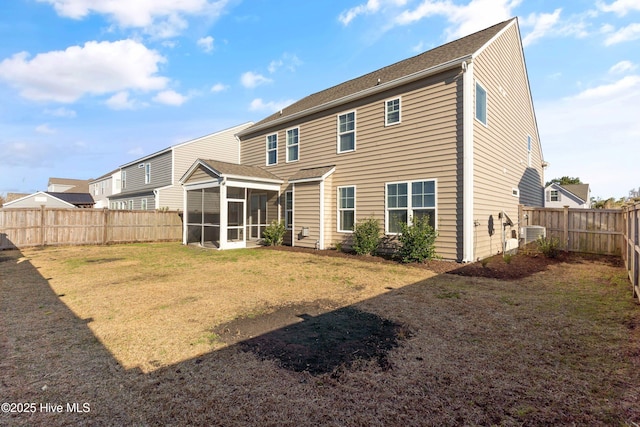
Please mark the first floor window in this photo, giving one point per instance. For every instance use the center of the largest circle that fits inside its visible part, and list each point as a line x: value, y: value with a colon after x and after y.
x: 293, y: 144
x: 288, y: 209
x: 144, y: 204
x: 272, y: 149
x: 130, y: 206
x: 409, y: 200
x: 346, y: 208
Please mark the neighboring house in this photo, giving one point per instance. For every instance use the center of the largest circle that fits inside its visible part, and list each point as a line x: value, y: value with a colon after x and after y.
x: 450, y: 134
x: 103, y: 187
x: 572, y: 195
x: 50, y: 199
x: 63, y: 185
x: 152, y: 182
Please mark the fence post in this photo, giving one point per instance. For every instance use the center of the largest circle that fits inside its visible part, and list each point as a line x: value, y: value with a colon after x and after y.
x: 42, y: 225
x: 565, y: 227
x: 105, y: 225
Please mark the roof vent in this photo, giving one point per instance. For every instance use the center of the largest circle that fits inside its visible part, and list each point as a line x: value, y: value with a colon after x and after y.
x: 378, y: 82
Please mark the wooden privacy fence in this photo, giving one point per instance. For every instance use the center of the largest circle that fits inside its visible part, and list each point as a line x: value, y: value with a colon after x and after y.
x: 21, y: 228
x: 598, y: 231
x: 631, y: 251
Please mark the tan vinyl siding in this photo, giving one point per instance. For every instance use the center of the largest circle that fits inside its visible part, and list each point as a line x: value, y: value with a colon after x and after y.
x: 500, y: 150
x: 306, y: 208
x: 425, y: 145
x: 200, y: 175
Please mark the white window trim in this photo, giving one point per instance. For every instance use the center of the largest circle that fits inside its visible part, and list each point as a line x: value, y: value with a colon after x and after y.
x: 123, y: 180
x: 267, y: 149
x: 475, y: 104
x: 557, y: 195
x: 130, y: 205
x: 147, y: 173
x: 409, y: 207
x: 355, y: 136
x: 287, y: 144
x: 515, y: 192
x: 338, y: 209
x: 290, y: 193
x: 386, y: 112
x: 143, y: 204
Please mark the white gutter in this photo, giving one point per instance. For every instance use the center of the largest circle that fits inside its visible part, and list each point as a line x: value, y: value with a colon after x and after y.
x: 364, y: 93
x: 467, y: 161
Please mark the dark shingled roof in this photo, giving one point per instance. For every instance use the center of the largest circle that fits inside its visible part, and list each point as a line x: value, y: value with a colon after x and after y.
x: 580, y: 190
x: 311, y: 173
x: 225, y: 168
x: 440, y: 55
x: 77, y: 199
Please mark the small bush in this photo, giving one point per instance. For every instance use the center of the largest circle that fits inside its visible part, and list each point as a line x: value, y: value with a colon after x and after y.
x: 507, y: 258
x: 366, y: 237
x: 548, y: 246
x: 418, y: 241
x: 273, y: 235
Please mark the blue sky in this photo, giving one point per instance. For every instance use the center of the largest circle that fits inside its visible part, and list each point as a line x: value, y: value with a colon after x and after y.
x: 88, y: 85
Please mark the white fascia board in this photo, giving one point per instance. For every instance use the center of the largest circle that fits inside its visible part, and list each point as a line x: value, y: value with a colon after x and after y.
x: 467, y: 168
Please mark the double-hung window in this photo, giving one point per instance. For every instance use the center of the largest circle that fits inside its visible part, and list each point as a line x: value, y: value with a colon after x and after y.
x: 346, y: 208
x: 392, y: 111
x: 347, y: 132
x: 147, y: 173
x: 293, y: 144
x: 288, y: 210
x: 272, y: 149
x: 123, y: 182
x: 554, y: 196
x: 143, y: 204
x: 407, y: 201
x: 481, y: 104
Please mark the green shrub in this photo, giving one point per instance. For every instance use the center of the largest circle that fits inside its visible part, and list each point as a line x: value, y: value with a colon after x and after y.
x: 273, y: 234
x: 418, y: 241
x: 366, y: 236
x: 548, y: 246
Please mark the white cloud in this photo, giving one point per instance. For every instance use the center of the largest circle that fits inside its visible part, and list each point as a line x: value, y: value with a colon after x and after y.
x: 161, y: 18
x: 219, y: 87
x: 371, y: 6
x: 542, y: 23
x: 259, y: 105
x: 623, y: 67
x: 628, y: 33
x: 61, y: 112
x: 206, y: 43
x: 603, y: 122
x: 251, y: 79
x: 27, y: 154
x: 620, y: 7
x: 44, y: 128
x: 121, y: 101
x: 170, y: 97
x: 95, y: 68
x: 288, y: 61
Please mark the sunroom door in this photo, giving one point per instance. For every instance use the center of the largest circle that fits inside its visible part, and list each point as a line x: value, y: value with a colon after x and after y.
x: 257, y: 215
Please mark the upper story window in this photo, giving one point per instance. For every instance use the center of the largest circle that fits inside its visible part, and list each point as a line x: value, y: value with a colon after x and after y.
x: 481, y: 104
x: 123, y: 182
x: 147, y: 173
x: 272, y: 149
x: 392, y: 111
x: 347, y: 132
x: 346, y: 208
x: 293, y: 144
x: 554, y: 196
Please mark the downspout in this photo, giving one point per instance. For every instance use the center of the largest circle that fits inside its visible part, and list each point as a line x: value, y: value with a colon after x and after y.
x: 321, y: 239
x: 467, y: 161
x: 184, y: 215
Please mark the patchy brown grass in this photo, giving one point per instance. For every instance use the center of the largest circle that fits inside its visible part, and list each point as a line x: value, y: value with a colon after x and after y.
x: 165, y: 334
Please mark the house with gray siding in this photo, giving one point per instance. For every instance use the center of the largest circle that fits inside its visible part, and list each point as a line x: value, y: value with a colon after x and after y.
x: 104, y: 187
x: 572, y: 195
x: 449, y: 134
x: 152, y: 182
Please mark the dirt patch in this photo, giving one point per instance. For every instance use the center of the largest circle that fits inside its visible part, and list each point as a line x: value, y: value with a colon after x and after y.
x: 308, y: 337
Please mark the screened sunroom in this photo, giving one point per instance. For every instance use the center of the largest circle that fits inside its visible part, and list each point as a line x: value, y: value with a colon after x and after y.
x: 227, y: 205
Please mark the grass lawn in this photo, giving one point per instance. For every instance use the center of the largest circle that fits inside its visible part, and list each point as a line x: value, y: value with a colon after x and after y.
x: 149, y: 334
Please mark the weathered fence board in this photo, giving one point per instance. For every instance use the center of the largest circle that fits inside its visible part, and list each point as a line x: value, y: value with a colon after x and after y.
x: 631, y: 254
x: 40, y: 227
x: 599, y: 231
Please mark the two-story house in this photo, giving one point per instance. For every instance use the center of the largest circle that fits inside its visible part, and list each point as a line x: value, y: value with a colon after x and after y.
x: 572, y: 195
x: 104, y: 187
x: 152, y: 182
x: 450, y: 134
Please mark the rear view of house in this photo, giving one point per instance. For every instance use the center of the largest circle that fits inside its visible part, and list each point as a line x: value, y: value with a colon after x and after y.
x: 450, y: 134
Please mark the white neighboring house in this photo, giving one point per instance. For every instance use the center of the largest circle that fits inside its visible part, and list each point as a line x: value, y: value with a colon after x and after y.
x: 105, y: 186
x: 572, y: 195
x: 50, y: 199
